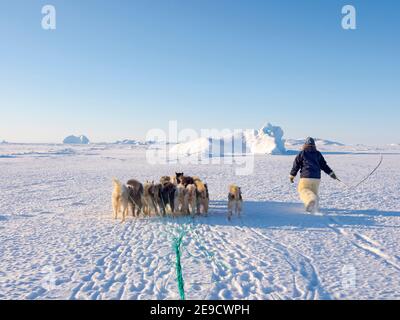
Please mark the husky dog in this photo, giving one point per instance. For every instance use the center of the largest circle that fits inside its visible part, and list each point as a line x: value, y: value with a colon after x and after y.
x: 165, y: 179
x: 120, y: 199
x: 168, y: 196
x: 172, y: 179
x: 190, y: 200
x: 157, y: 191
x: 201, y: 195
x: 185, y: 180
x: 136, y: 190
x: 149, y: 202
x: 235, y: 200
x: 179, y: 199
x: 178, y: 176
x: 207, y: 199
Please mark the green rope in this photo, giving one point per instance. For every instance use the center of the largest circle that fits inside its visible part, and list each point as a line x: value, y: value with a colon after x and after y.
x: 187, y: 228
x: 179, y: 276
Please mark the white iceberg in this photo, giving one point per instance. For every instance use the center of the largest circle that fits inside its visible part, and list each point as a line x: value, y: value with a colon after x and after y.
x: 76, y: 140
x: 267, y: 140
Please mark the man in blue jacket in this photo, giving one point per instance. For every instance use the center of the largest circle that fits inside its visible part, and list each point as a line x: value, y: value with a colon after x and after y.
x: 310, y: 162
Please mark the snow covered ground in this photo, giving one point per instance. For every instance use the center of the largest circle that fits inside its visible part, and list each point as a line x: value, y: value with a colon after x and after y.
x: 58, y: 239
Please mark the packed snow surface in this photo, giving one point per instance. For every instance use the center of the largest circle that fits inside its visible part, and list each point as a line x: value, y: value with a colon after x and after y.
x: 267, y: 140
x: 76, y: 140
x: 58, y: 239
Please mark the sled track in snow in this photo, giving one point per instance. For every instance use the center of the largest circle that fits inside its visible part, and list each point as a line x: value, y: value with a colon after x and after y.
x: 239, y: 272
x: 233, y: 276
x: 237, y: 269
x: 364, y: 243
x: 301, y: 266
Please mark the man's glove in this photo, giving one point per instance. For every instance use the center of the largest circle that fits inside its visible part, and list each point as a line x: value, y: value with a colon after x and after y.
x: 291, y: 179
x: 333, y: 176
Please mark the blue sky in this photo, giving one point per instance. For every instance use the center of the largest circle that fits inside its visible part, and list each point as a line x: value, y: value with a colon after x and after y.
x: 114, y: 69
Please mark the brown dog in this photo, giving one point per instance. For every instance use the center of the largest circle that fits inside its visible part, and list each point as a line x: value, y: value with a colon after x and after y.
x: 185, y: 180
x: 171, y: 179
x: 202, y: 196
x: 190, y: 200
x: 179, y: 199
x: 165, y: 179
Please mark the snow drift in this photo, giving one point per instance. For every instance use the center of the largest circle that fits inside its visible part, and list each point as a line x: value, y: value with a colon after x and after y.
x: 76, y: 140
x: 267, y: 140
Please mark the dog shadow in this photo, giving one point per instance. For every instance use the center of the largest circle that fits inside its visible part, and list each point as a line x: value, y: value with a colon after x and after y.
x: 271, y: 215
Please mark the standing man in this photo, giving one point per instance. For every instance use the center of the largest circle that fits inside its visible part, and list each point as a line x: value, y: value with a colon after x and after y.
x: 310, y: 162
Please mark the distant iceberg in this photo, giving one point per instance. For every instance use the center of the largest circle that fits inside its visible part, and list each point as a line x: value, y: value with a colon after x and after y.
x: 267, y: 140
x: 131, y: 142
x: 128, y: 141
x: 76, y: 140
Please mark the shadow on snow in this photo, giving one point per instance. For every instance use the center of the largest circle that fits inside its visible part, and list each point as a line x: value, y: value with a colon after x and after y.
x: 270, y: 215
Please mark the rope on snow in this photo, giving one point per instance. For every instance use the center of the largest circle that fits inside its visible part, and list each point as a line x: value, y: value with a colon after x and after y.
x: 366, y: 178
x: 179, y: 277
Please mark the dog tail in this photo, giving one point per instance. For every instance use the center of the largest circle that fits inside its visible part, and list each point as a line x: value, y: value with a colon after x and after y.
x: 235, y: 191
x: 200, y: 185
x: 117, y: 185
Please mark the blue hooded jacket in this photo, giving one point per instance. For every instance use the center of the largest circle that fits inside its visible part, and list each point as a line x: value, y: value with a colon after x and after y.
x: 310, y: 162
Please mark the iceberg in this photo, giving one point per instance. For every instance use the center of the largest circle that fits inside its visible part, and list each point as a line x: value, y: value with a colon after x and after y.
x: 267, y: 140
x: 76, y: 140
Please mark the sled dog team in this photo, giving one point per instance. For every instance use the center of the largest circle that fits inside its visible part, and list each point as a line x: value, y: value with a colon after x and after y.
x: 182, y: 194
x: 173, y: 195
